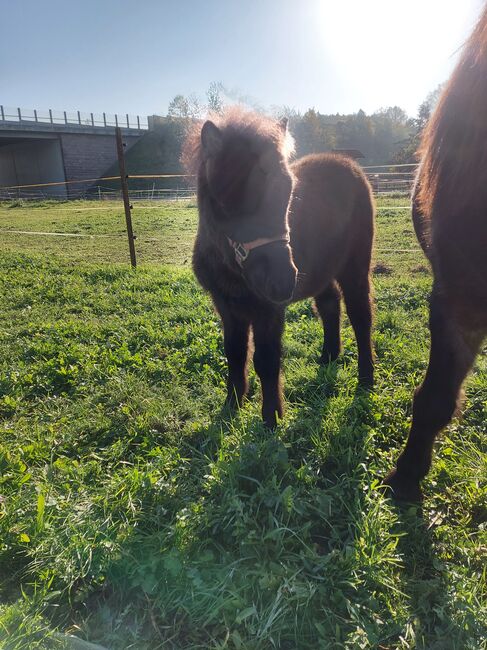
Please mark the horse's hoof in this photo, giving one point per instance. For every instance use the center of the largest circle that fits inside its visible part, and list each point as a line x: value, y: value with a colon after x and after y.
x: 326, y: 359
x: 232, y: 402
x: 366, y: 382
x: 229, y: 407
x: 270, y: 423
x: 401, y: 489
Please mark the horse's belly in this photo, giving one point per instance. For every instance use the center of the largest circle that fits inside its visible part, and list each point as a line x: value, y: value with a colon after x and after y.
x: 310, y: 286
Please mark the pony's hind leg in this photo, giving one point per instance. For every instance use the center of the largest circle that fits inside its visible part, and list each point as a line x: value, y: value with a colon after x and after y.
x: 328, y: 307
x: 452, y: 353
x: 356, y: 293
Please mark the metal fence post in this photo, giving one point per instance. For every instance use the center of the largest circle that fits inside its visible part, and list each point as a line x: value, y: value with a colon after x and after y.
x: 125, y: 194
x: 2, y: 113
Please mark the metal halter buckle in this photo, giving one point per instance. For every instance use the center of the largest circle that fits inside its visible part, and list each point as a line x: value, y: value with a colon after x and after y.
x: 241, y: 253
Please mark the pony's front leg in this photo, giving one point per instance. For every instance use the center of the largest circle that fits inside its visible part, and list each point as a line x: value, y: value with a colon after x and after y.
x: 236, y: 342
x: 268, y: 327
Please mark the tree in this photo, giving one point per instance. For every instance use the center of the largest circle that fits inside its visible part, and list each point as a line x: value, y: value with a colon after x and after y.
x: 214, y: 97
x: 182, y: 107
x: 408, y: 153
x: 312, y: 133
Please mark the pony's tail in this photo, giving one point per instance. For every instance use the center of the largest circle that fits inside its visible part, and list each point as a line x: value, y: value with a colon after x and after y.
x: 420, y: 221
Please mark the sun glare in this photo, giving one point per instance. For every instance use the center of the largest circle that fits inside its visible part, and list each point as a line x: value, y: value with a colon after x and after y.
x: 391, y: 48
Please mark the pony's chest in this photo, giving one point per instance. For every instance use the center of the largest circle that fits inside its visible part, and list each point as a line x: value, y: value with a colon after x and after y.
x: 216, y: 277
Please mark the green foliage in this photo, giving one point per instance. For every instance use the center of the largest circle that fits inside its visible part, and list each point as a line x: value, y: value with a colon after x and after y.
x: 135, y: 514
x: 409, y: 149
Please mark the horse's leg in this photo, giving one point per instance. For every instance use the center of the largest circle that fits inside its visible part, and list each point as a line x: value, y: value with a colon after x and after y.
x: 236, y: 342
x: 356, y: 293
x: 268, y: 326
x: 328, y: 306
x: 452, y: 353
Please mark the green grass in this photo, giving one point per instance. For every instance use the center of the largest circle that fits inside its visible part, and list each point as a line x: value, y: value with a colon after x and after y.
x: 134, y: 514
x: 164, y: 231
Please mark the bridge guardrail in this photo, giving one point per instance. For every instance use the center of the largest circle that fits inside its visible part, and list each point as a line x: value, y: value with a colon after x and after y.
x: 78, y: 118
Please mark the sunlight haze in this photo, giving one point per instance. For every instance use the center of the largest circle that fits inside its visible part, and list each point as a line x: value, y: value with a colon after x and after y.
x: 135, y: 57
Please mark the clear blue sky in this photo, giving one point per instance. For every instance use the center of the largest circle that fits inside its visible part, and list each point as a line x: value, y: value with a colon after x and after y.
x: 102, y: 55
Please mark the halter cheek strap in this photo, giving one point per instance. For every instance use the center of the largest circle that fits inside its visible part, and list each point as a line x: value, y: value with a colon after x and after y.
x: 242, y: 249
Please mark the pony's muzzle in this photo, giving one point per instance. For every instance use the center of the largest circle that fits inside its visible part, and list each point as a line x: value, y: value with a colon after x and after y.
x: 280, y: 289
x: 272, y: 273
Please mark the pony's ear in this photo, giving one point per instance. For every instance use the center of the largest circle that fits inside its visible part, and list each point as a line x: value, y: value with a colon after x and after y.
x: 283, y: 122
x: 211, y: 138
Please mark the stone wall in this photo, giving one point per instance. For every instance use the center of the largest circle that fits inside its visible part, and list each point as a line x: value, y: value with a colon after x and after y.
x: 89, y: 156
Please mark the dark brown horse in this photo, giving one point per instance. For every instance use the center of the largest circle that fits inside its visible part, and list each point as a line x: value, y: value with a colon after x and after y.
x: 450, y: 218
x: 271, y: 233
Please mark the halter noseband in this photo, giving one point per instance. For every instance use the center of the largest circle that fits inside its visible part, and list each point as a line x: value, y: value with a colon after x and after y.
x: 242, y: 249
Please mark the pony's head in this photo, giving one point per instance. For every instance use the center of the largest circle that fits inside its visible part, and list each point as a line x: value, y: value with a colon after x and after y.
x: 244, y: 170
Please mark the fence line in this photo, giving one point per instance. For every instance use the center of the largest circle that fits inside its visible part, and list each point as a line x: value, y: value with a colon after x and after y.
x: 381, y: 183
x: 54, y: 233
x: 158, y: 207
x: 117, y: 235
x: 93, y: 180
x: 35, y: 191
x: 370, y: 175
x: 390, y: 165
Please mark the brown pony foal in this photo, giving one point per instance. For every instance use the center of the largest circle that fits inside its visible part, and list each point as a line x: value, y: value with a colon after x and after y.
x: 450, y: 219
x: 271, y: 233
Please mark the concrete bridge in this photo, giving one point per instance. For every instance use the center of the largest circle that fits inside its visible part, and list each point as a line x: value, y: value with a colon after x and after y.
x: 53, y: 147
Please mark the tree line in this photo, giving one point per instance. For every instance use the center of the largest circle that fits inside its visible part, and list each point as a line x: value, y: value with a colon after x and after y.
x: 387, y: 136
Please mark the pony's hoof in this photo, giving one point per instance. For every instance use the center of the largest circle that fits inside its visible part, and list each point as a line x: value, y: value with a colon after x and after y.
x: 230, y: 407
x: 366, y: 382
x: 232, y: 402
x: 401, y: 489
x: 326, y: 359
x: 270, y: 423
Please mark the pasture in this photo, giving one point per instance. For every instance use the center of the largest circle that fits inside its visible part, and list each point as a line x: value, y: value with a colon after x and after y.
x: 135, y: 514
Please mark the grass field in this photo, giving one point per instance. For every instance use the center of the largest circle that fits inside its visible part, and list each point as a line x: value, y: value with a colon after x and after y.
x: 133, y: 514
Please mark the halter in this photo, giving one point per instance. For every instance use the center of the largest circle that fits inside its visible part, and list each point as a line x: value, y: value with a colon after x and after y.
x: 242, y: 249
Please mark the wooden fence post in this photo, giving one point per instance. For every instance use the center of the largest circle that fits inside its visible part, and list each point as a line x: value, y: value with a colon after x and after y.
x: 125, y: 195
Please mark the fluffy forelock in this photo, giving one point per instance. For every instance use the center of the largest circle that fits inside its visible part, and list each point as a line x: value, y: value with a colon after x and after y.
x: 236, y: 120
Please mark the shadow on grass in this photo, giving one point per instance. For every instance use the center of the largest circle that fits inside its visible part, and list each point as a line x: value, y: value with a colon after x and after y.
x: 257, y: 512
x: 426, y: 584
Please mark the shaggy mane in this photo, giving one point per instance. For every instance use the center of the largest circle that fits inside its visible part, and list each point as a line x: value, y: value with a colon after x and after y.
x: 235, y: 121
